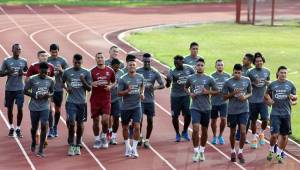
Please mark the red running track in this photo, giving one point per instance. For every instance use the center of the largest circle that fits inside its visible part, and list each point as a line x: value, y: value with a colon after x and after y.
x: 82, y: 30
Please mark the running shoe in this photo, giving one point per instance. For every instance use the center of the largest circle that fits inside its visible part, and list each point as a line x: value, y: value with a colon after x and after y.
x: 186, y: 136
x: 214, y: 140
x: 19, y: 133
x: 11, y: 132
x: 221, y: 140
x: 241, y: 158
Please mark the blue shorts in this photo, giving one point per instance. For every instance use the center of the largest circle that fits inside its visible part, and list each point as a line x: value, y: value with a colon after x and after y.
x: 180, y: 104
x: 43, y: 116
x: 58, y: 98
x: 201, y: 117
x: 219, y: 110
x: 258, y: 108
x: 134, y: 114
x: 76, y: 112
x: 235, y: 119
x: 280, y: 124
x: 148, y: 109
x: 14, y: 96
x: 116, y: 108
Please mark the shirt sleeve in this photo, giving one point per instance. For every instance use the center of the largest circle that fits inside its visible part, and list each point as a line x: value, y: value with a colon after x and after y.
x: 51, y: 89
x: 121, y: 85
x: 293, y: 90
x: 188, y: 83
x: 27, y: 85
x: 29, y: 71
x: 269, y: 88
x: 159, y: 79
x: 113, y: 77
x: 25, y: 67
x: 88, y: 78
x: 225, y: 89
x: 4, y: 66
x: 170, y: 75
x: 249, y: 88
x: 64, y: 64
x: 64, y: 76
x: 213, y: 84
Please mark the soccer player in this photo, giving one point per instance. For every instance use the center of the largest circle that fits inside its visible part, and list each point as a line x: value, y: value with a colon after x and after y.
x: 151, y: 75
x: 14, y: 68
x: 131, y: 89
x: 237, y: 90
x: 247, y: 65
x: 113, y: 54
x: 60, y: 64
x: 40, y: 89
x: 193, y: 57
x: 280, y: 94
x: 35, y: 69
x: 219, y: 106
x: 200, y: 86
x: 103, y: 80
x: 78, y: 81
x: 260, y: 78
x: 115, y: 101
x: 180, y: 100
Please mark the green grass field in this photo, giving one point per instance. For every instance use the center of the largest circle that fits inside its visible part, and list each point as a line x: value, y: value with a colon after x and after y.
x: 280, y: 45
x: 125, y: 3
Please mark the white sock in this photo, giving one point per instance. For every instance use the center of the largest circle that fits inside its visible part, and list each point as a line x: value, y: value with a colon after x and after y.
x: 97, y: 137
x: 114, y: 135
x: 196, y: 149
x: 11, y: 126
x: 141, y: 135
x: 103, y: 135
x: 278, y: 151
x: 134, y: 144
x: 201, y: 149
x: 240, y: 150
x: 254, y: 137
x: 272, y: 148
x: 127, y: 143
x: 233, y: 150
x: 110, y: 129
x: 18, y: 127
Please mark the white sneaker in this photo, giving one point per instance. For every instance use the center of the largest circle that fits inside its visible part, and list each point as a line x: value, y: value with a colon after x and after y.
x: 134, y: 153
x: 97, y: 144
x: 113, y: 141
x: 128, y: 151
x: 104, y: 142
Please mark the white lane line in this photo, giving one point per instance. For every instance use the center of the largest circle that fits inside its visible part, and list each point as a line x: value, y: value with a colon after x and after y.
x: 17, y: 139
x: 89, y: 151
x: 13, y: 21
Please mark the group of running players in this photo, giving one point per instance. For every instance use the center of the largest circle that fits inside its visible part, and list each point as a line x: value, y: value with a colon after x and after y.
x: 127, y: 92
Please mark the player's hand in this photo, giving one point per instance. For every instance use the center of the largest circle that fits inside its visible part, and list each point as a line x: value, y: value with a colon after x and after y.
x: 69, y: 90
x: 193, y: 95
x: 95, y: 83
x: 107, y: 87
x: 142, y: 97
x: 205, y: 91
x: 59, y: 68
x: 293, y: 99
x: 82, y: 79
x: 242, y: 98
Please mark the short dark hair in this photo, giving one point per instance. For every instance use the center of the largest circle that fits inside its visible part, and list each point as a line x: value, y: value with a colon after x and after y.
x: 178, y: 57
x: 249, y: 56
x: 54, y: 47
x: 41, y: 52
x: 12, y: 47
x: 281, y: 68
x: 44, y: 65
x: 77, y: 57
x: 238, y: 67
x: 219, y: 60
x: 130, y: 57
x: 258, y: 55
x: 146, y: 55
x: 201, y: 60
x: 112, y: 47
x: 193, y: 44
x: 115, y: 61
